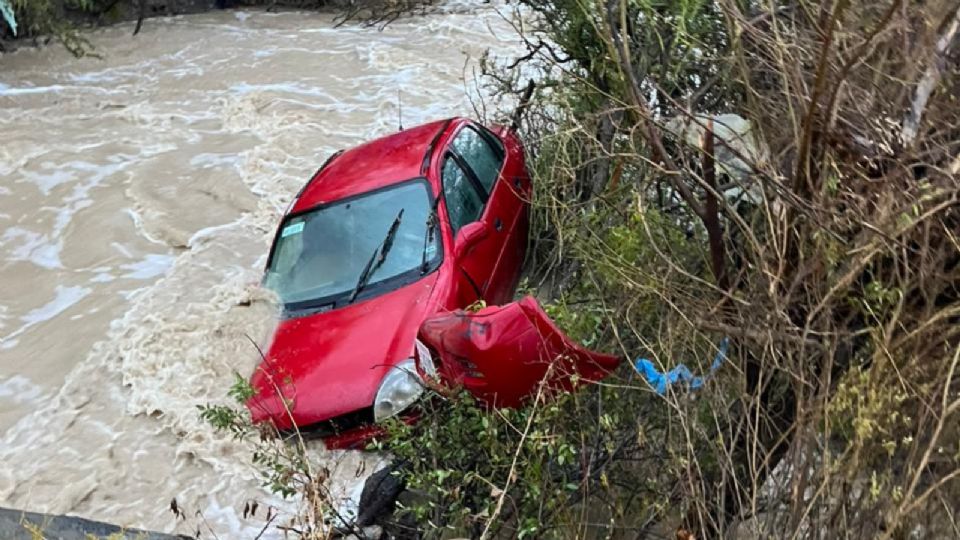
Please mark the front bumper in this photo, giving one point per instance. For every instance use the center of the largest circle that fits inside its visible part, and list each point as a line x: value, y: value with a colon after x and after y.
x: 352, y: 431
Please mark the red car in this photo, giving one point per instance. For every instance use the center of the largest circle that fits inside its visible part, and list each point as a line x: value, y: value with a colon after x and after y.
x: 406, y: 228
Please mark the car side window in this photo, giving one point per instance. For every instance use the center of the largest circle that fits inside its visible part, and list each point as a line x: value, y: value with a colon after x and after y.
x: 464, y: 204
x: 483, y: 159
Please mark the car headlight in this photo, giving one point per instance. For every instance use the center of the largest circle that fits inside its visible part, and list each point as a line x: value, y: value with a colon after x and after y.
x: 400, y: 388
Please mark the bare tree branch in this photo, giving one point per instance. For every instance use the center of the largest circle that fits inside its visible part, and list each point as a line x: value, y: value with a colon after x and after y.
x: 929, y: 82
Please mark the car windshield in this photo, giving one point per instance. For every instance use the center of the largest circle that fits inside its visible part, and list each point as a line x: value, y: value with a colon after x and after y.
x: 320, y: 255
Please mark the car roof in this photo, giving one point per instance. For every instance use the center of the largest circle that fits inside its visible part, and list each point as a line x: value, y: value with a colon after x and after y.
x: 372, y: 165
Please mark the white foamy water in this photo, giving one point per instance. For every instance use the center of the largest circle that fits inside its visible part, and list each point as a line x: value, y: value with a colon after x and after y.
x: 64, y: 299
x: 138, y: 197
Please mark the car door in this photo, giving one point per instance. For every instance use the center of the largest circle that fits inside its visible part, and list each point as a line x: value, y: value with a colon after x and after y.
x: 465, y: 202
x: 485, y: 163
x: 502, y: 354
x: 513, y: 175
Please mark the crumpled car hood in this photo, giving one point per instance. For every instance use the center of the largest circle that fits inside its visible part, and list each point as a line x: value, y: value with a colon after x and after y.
x: 501, y: 354
x: 331, y: 363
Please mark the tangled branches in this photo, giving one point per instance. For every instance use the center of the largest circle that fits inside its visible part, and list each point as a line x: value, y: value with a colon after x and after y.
x: 380, y: 13
x: 782, y: 174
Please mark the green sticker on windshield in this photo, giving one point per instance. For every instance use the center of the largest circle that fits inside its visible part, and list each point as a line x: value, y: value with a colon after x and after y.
x: 292, y: 229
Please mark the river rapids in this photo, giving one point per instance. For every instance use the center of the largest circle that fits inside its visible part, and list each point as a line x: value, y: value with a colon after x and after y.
x: 138, y: 196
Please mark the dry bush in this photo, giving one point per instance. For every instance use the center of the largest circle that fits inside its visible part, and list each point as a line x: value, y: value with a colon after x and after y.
x: 829, y: 256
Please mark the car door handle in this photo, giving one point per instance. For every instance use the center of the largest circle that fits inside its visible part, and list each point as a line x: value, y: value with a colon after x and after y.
x: 497, y: 224
x: 517, y: 182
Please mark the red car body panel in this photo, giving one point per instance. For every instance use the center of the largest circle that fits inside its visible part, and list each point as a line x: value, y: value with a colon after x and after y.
x: 372, y: 165
x: 320, y: 361
x: 354, y: 439
x: 328, y: 365
x: 502, y: 354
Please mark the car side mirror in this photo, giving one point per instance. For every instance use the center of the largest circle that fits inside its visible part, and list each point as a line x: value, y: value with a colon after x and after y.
x: 468, y: 236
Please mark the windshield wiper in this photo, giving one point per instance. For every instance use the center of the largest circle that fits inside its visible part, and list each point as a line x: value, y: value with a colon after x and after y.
x: 308, y: 308
x: 375, y: 262
x: 432, y: 220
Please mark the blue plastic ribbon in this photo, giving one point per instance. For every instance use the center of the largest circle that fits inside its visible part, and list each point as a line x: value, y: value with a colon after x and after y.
x: 660, y: 381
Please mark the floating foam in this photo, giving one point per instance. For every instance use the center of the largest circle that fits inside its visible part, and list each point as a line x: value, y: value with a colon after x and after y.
x: 65, y: 298
x: 152, y: 266
x: 20, y: 390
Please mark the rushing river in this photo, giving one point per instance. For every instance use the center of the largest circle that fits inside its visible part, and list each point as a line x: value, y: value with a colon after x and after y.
x: 138, y: 196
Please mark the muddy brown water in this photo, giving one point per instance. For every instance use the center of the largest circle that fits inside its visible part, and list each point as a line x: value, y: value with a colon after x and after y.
x: 138, y: 196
